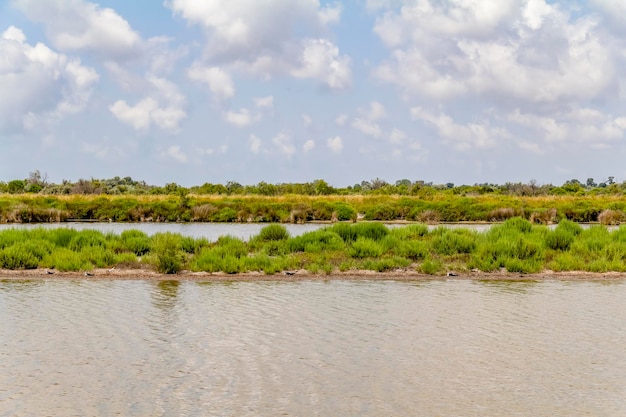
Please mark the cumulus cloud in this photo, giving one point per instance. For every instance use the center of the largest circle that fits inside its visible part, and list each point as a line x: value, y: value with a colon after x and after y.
x: 176, y: 153
x: 39, y: 84
x: 308, y: 146
x: 284, y: 144
x: 320, y: 59
x: 269, y: 38
x: 242, y: 118
x: 335, y: 144
x: 264, y: 102
x: 375, y: 111
x: 341, y: 119
x: 254, y: 144
x: 461, y: 137
x: 163, y: 108
x: 367, y: 127
x: 582, y: 125
x: 219, y: 81
x: 527, y: 50
x: 73, y: 25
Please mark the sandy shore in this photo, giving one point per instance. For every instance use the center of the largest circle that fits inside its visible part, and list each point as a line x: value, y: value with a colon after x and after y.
x: 301, y: 275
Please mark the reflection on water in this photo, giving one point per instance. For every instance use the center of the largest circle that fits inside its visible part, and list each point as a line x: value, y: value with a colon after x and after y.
x: 135, y: 348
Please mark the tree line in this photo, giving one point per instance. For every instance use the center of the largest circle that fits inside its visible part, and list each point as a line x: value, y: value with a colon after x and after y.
x: 37, y: 183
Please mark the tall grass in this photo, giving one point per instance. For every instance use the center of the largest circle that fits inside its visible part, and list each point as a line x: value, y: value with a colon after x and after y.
x: 515, y: 246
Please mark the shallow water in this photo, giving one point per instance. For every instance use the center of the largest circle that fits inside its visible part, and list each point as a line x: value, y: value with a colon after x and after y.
x: 335, y: 348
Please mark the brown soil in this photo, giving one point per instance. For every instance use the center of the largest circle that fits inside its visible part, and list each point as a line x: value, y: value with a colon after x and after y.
x: 301, y: 275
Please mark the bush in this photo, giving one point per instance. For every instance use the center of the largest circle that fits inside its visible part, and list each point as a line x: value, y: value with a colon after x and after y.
x: 431, y: 267
x: 316, y: 241
x: 166, y: 250
x: 374, y: 231
x: 559, y: 239
x: 18, y: 256
x: 345, y: 212
x: 273, y: 232
x: 364, y: 247
x: 454, y: 241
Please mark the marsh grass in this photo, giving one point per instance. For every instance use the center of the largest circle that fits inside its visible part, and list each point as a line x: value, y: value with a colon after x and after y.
x: 515, y: 245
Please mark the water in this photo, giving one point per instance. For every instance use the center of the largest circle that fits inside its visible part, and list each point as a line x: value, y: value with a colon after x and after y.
x: 311, y: 348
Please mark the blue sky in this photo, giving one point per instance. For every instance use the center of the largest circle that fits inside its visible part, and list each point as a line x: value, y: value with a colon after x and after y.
x: 188, y: 91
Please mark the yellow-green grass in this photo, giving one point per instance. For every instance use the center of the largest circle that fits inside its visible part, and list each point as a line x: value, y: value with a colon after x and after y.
x: 514, y: 246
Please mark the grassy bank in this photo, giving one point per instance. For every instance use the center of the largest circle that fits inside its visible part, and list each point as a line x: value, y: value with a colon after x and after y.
x: 27, y: 208
x: 515, y: 246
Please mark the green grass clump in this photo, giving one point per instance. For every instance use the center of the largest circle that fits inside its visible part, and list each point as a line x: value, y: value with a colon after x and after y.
x: 167, y: 254
x: 365, y: 247
x: 316, y: 241
x: 273, y: 232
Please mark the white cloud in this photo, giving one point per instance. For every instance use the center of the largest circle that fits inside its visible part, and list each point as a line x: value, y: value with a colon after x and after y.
x: 242, y: 118
x: 259, y: 37
x: 176, y: 153
x: 462, y: 137
x: 284, y: 145
x: 320, y: 59
x: 375, y: 111
x: 74, y: 25
x: 307, y: 120
x: 341, y: 119
x: 103, y: 151
x: 308, y: 146
x: 397, y: 136
x: 582, y: 125
x: 335, y: 144
x: 367, y: 127
x: 219, y: 81
x: 254, y: 144
x: 264, y: 102
x: 497, y: 51
x: 164, y: 107
x: 39, y: 85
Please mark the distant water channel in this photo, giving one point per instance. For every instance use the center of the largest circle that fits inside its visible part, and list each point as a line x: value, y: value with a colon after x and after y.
x: 335, y: 348
x: 211, y: 231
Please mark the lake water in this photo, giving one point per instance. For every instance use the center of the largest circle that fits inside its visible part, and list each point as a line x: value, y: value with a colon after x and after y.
x: 312, y: 348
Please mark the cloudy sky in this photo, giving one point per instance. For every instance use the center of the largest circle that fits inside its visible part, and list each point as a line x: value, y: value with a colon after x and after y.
x: 194, y: 91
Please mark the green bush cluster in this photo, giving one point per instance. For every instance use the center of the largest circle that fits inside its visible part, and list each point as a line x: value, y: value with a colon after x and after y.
x: 515, y: 246
x: 435, y: 206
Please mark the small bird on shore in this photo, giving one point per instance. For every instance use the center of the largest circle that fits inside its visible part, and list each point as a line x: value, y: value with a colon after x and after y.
x: 290, y: 273
x: 452, y: 274
x: 88, y: 274
x: 49, y: 272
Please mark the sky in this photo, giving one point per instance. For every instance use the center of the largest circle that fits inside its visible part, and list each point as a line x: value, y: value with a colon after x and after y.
x: 286, y: 91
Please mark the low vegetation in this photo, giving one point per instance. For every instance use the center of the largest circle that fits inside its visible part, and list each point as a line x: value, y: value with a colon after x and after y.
x: 516, y: 245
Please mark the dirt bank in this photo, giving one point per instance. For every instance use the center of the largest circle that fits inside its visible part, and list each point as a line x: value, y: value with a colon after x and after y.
x: 300, y: 275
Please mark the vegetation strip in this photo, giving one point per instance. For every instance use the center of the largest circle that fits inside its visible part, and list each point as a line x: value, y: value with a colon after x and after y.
x: 428, y: 208
x: 515, y: 246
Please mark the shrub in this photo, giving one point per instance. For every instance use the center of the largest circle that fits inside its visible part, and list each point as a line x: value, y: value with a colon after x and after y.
x: 66, y: 260
x: 166, y: 250
x: 316, y: 241
x: 454, y: 241
x: 345, y: 212
x: 347, y: 232
x: 364, y: 247
x: 86, y: 238
x: 431, y: 267
x: 559, y: 239
x: 18, y: 256
x: 273, y: 232
x: 414, y: 250
x: 374, y: 231
x: 609, y: 216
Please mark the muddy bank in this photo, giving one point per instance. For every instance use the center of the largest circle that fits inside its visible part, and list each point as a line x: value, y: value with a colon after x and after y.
x: 302, y: 275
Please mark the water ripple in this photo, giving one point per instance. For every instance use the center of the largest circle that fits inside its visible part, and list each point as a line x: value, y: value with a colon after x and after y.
x: 133, y: 348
